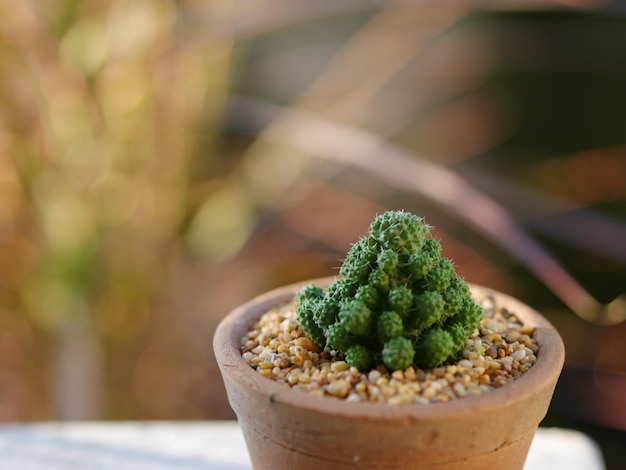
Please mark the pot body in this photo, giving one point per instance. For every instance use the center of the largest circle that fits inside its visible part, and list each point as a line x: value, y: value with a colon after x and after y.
x: 286, y: 428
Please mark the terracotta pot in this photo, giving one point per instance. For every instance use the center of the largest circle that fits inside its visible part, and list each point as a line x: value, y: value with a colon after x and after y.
x: 286, y: 428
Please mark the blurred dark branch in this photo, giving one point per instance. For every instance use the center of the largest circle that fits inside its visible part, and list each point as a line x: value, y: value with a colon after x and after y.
x: 368, y: 62
x: 251, y: 19
x: 554, y: 217
x: 325, y: 121
x: 442, y: 186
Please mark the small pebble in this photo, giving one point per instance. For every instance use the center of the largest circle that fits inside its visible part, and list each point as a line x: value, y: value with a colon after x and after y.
x: 373, y: 376
x: 519, y: 355
x: 339, y: 366
x: 339, y: 388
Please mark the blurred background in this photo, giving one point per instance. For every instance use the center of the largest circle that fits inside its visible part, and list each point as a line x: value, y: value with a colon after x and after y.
x: 163, y: 161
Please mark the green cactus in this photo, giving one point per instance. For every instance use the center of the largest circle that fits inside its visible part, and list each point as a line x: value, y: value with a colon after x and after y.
x: 389, y: 325
x: 398, y: 353
x: 305, y: 315
x: 398, y: 303
x: 434, y: 347
x: 359, y: 356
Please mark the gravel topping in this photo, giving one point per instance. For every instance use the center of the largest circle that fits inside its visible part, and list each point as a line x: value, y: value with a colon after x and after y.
x: 500, y: 351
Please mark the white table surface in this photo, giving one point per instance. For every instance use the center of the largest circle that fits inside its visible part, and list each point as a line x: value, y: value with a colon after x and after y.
x: 205, y: 445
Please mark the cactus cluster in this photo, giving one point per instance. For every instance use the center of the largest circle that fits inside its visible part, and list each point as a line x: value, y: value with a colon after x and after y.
x: 398, y: 302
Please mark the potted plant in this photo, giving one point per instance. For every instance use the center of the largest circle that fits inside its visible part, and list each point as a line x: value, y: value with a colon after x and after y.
x: 398, y: 363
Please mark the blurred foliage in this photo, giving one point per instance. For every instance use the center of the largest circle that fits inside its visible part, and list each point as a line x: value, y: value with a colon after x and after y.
x: 163, y: 161
x: 101, y: 103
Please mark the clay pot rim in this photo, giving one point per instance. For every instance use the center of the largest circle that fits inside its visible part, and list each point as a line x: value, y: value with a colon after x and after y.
x: 545, y: 371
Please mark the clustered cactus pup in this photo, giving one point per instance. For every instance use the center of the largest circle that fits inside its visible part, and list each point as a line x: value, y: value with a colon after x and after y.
x: 398, y: 301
